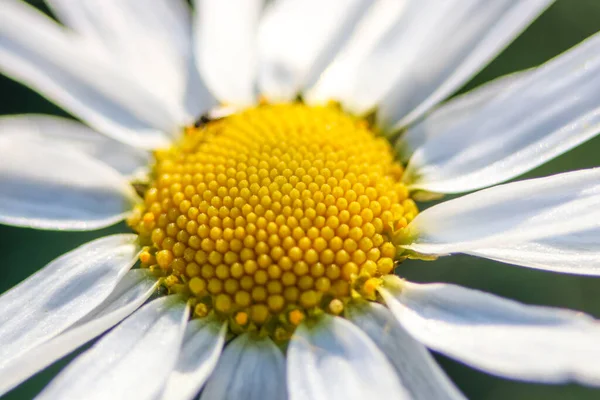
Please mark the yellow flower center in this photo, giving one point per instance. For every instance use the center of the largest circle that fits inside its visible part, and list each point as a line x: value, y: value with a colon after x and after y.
x: 269, y: 215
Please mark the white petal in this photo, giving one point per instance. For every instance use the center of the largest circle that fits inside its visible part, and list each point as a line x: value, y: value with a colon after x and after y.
x: 292, y: 56
x: 200, y: 352
x: 150, y: 40
x: 132, y: 361
x: 338, y: 80
x: 509, y: 214
x: 500, y: 336
x: 72, y: 74
x: 454, y: 111
x: 226, y: 48
x: 335, y: 360
x: 55, y: 187
x: 54, y: 131
x: 423, y: 53
x: 131, y: 292
x: 466, y: 37
x: 417, y: 369
x: 575, y: 253
x: 250, y: 368
x: 61, y: 293
x: 541, y: 116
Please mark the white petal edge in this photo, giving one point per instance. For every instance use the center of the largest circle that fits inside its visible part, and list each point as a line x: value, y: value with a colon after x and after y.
x: 225, y: 45
x: 553, y: 109
x: 73, y: 74
x: 53, y: 131
x: 421, y: 53
x: 60, y: 294
x: 134, y: 360
x: 53, y: 187
x: 465, y: 39
x: 335, y: 359
x: 130, y: 293
x: 250, y: 368
x: 151, y: 41
x: 454, y: 111
x: 418, y: 371
x: 509, y: 214
x: 290, y: 56
x: 575, y: 253
x: 500, y: 336
x: 200, y: 352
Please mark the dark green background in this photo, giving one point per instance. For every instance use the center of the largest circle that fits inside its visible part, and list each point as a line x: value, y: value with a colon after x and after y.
x: 566, y: 23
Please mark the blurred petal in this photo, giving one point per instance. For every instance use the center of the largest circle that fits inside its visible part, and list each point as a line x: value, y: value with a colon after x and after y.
x: 73, y: 74
x: 541, y: 116
x: 54, y: 187
x: 200, y: 352
x: 507, y: 215
x: 250, y: 368
x: 46, y: 130
x: 335, y: 360
x: 150, y: 40
x: 455, y: 111
x: 422, y: 52
x: 500, y: 336
x: 225, y: 35
x: 467, y: 35
x: 575, y: 253
x: 292, y: 56
x: 61, y: 293
x: 133, y: 361
x: 130, y: 293
x: 166, y: 21
x: 419, y: 373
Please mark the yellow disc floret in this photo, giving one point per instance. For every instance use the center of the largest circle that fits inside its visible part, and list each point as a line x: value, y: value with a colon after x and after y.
x: 274, y: 213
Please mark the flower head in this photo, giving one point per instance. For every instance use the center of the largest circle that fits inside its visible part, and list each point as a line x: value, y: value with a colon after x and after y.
x: 272, y: 197
x: 274, y: 212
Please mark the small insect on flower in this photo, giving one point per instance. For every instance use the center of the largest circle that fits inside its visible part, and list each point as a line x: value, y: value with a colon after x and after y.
x: 266, y: 241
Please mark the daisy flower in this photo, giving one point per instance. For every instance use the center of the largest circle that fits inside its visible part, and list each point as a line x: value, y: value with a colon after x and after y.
x: 268, y: 160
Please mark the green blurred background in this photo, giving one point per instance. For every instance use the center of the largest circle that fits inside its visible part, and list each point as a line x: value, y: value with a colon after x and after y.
x: 566, y: 23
